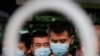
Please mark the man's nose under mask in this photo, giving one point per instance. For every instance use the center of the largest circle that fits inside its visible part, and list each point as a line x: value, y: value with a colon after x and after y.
x: 59, y: 49
x: 42, y: 52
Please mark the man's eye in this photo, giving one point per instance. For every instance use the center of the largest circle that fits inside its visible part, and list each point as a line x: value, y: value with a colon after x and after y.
x: 63, y: 41
x: 20, y: 47
x: 38, y: 44
x: 54, y: 41
x: 46, y: 44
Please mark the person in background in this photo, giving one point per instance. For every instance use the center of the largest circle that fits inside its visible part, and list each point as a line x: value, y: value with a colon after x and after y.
x: 80, y: 49
x: 40, y: 44
x: 61, y: 35
x: 3, y: 18
x: 97, y: 27
x: 23, y: 46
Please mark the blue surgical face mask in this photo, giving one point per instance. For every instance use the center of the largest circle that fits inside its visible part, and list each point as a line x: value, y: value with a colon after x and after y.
x: 59, y: 49
x: 42, y: 52
x: 18, y: 52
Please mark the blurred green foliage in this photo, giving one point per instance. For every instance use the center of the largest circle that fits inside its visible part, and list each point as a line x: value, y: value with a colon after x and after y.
x: 49, y: 18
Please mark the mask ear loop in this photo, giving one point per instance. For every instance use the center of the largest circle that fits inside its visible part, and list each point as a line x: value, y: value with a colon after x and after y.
x: 68, y: 8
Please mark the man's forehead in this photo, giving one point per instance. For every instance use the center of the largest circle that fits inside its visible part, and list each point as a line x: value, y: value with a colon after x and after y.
x: 21, y: 44
x: 44, y: 39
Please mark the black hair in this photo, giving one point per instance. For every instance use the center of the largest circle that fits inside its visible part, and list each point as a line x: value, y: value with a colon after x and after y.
x: 39, y: 34
x: 26, y: 39
x: 60, y: 26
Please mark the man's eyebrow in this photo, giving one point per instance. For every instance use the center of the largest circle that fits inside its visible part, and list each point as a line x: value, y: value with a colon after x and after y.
x: 37, y: 43
x: 63, y: 39
x: 46, y: 43
x: 53, y: 40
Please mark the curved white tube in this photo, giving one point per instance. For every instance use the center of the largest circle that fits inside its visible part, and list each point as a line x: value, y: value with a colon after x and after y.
x: 67, y: 8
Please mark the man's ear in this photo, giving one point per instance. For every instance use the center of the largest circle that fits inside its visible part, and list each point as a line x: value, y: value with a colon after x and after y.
x: 72, y: 39
x: 30, y: 50
x: 31, y: 47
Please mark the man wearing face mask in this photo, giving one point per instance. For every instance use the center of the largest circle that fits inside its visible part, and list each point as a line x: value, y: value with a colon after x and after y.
x: 19, y: 52
x: 40, y: 44
x: 23, y: 46
x: 61, y: 37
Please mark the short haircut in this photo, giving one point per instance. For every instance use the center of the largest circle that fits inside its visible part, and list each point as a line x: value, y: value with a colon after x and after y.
x: 60, y: 26
x: 25, y: 38
x: 39, y: 34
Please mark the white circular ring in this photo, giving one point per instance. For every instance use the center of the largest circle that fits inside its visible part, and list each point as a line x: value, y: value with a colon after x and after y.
x: 68, y: 8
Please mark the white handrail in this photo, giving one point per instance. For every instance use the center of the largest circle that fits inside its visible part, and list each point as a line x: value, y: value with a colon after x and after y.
x: 67, y: 8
